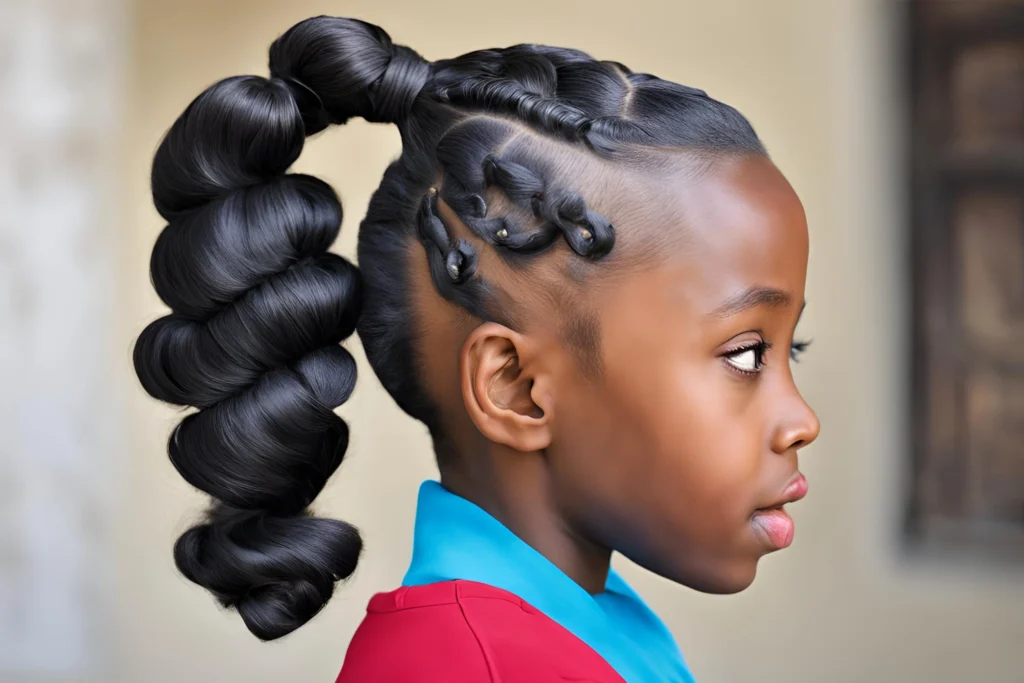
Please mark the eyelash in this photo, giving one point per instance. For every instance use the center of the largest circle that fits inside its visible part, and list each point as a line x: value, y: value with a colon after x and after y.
x: 760, y: 349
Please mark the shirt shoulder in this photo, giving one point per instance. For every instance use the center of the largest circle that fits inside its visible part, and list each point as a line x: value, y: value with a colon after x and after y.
x: 465, y: 632
x: 415, y: 634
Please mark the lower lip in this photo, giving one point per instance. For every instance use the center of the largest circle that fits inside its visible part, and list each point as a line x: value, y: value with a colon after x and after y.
x: 774, y: 526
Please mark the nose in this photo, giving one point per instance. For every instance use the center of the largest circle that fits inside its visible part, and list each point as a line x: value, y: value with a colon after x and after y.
x: 798, y: 425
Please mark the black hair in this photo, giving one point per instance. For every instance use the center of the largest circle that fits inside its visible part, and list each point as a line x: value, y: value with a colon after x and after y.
x: 259, y: 306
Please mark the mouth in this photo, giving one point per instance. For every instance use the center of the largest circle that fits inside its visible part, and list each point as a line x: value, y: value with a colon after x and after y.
x: 773, y: 524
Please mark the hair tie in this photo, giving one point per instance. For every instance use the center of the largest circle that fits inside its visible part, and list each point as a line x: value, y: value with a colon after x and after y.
x: 392, y: 95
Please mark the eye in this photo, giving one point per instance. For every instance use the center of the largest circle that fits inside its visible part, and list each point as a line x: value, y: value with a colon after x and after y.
x: 748, y: 359
x: 797, y: 349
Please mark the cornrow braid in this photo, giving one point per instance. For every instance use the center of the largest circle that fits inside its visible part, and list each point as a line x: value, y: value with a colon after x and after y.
x: 459, y: 257
x: 260, y: 306
x: 516, y: 81
x: 563, y: 212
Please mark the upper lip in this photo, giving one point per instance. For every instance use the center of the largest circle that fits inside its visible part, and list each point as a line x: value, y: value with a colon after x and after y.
x: 794, y: 490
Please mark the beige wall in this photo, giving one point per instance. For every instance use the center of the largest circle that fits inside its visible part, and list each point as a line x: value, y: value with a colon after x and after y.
x: 816, y: 77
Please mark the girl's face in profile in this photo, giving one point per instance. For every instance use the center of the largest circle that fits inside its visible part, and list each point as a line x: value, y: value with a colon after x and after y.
x: 681, y: 453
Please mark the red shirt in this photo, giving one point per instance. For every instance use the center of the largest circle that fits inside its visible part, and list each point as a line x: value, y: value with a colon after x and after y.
x: 465, y: 632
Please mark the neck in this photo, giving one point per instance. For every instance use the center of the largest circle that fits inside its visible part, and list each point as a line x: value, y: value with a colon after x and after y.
x: 515, y: 488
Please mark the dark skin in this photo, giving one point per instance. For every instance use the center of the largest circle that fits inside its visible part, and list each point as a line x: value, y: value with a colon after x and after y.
x: 691, y: 427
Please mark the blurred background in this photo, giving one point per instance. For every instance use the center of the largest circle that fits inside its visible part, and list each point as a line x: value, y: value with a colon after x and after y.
x: 901, y: 126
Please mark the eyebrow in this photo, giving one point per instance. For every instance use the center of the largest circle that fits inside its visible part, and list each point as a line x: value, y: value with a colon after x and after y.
x: 753, y: 297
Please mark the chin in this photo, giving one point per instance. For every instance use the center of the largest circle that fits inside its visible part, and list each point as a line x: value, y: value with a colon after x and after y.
x: 719, y: 579
x: 727, y: 585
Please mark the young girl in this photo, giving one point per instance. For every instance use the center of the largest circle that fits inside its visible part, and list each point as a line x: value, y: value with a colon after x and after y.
x: 583, y: 280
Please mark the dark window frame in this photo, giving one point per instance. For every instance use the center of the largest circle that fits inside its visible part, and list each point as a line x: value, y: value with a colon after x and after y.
x: 937, y: 174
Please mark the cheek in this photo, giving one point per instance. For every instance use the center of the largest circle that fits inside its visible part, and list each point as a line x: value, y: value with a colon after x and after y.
x: 702, y: 449
x: 663, y: 450
x: 689, y: 445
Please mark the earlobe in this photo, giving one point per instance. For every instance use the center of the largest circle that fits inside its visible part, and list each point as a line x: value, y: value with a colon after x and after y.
x: 501, y: 391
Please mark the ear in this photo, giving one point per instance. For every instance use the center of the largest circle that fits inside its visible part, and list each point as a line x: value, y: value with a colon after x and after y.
x: 506, y: 396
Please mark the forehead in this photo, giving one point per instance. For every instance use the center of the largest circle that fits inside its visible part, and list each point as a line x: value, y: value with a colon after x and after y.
x: 723, y: 228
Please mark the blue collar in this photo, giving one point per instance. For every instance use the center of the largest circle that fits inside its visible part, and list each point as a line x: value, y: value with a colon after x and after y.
x: 456, y: 539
